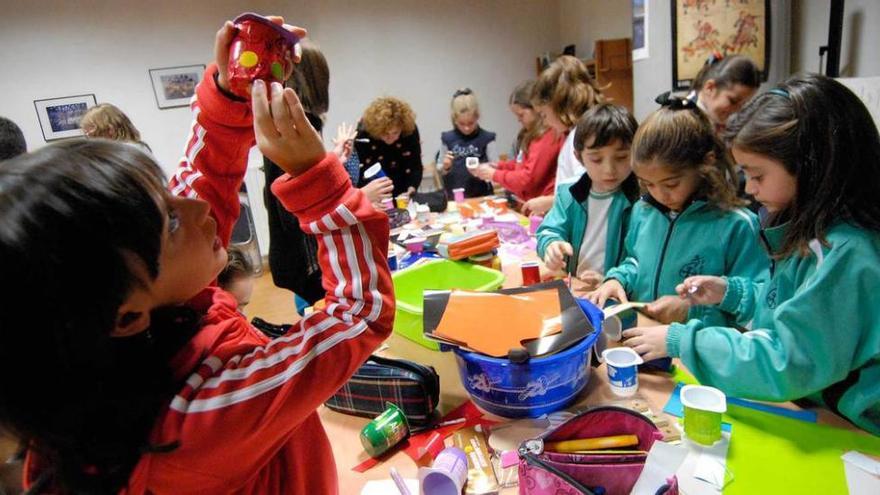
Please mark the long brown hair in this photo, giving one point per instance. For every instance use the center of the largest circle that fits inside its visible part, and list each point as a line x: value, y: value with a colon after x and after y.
x: 825, y: 137
x: 311, y: 79
x: 567, y: 88
x: 522, y: 96
x: 684, y: 139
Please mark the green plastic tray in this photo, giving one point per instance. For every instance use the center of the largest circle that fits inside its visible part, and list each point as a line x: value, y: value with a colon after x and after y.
x: 435, y: 275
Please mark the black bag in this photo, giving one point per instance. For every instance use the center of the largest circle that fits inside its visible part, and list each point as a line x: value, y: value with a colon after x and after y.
x: 435, y: 200
x: 413, y: 387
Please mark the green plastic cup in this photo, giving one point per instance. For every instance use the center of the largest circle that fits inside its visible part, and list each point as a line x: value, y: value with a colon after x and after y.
x: 703, y: 407
x: 384, y: 432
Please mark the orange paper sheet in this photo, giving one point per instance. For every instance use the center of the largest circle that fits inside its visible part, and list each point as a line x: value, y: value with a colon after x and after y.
x: 495, y: 323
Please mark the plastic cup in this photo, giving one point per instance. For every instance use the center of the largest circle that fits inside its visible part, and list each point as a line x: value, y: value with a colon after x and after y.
x: 472, y: 162
x: 260, y: 49
x: 534, y: 223
x: 374, y: 172
x: 623, y: 365
x: 423, y: 213
x: 384, y: 432
x: 703, y: 407
x: 402, y: 201
x: 447, y: 474
x: 458, y: 194
x: 387, y: 204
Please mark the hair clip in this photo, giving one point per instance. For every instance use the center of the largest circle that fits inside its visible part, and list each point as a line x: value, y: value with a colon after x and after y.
x: 716, y: 56
x: 674, y: 102
x: 462, y: 92
x: 779, y: 92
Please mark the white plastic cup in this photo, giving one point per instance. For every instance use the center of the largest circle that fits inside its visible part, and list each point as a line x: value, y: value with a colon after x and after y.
x: 472, y: 162
x: 622, y: 364
x: 447, y: 474
x: 374, y: 172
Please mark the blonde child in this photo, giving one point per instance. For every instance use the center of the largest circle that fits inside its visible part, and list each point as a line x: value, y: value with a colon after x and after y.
x: 811, y: 153
x: 148, y: 380
x: 584, y: 231
x: 533, y: 171
x: 466, y: 140
x: 690, y: 221
x: 563, y: 92
x: 109, y: 122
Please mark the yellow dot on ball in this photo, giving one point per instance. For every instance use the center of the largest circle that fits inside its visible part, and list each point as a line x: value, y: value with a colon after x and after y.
x: 248, y: 59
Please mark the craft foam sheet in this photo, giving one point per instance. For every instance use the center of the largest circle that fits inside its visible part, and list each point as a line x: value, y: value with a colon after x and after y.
x: 775, y: 454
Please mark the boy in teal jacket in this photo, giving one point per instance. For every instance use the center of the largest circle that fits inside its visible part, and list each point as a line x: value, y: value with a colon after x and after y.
x: 592, y: 214
x: 811, y: 154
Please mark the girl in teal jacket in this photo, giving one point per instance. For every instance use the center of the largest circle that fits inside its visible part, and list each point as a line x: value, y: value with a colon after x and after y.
x: 689, y: 223
x: 811, y: 153
x: 606, y: 192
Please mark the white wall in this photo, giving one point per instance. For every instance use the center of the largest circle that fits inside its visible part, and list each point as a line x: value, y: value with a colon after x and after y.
x: 653, y: 75
x: 420, y: 51
x: 858, y: 54
x: 582, y: 22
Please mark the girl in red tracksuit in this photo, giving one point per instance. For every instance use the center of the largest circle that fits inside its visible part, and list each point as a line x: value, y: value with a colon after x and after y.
x: 159, y: 385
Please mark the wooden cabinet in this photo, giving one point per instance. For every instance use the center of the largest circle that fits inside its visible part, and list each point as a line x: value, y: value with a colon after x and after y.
x: 614, y: 70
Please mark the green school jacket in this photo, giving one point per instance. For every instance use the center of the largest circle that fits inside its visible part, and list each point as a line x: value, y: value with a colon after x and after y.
x: 815, y: 329
x: 702, y: 240
x: 567, y: 220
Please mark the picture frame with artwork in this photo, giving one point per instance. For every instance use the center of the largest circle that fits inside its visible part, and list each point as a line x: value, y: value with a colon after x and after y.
x: 59, y: 117
x: 175, y: 86
x: 701, y: 27
x: 640, y: 30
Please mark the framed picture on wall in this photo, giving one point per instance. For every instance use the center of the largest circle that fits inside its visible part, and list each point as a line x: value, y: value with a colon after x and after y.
x: 59, y: 117
x: 702, y: 27
x: 175, y: 86
x: 640, y: 29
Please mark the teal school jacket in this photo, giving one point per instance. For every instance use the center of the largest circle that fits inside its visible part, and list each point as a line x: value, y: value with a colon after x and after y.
x: 662, y: 251
x: 815, y: 329
x: 567, y: 220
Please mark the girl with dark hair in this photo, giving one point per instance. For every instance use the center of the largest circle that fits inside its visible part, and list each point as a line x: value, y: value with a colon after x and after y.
x: 689, y: 222
x: 811, y: 153
x: 724, y: 85
x: 145, y: 378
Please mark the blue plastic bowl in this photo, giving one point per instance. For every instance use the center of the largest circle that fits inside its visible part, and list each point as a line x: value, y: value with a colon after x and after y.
x: 537, y: 387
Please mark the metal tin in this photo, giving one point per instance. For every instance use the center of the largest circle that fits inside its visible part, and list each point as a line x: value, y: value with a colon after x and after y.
x: 531, y: 273
x: 384, y: 432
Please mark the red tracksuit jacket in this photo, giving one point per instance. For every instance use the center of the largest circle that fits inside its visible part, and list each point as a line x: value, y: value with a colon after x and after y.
x: 536, y: 175
x: 246, y: 418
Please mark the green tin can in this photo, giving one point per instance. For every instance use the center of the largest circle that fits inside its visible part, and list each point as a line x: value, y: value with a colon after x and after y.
x: 384, y: 432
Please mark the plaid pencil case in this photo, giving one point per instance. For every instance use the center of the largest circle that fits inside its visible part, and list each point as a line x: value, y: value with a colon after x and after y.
x: 413, y: 387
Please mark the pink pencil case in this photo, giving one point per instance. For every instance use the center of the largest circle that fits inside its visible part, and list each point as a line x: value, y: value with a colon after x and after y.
x: 553, y: 473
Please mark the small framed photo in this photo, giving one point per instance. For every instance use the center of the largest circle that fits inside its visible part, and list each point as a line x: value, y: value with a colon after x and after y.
x: 59, y: 117
x: 175, y: 86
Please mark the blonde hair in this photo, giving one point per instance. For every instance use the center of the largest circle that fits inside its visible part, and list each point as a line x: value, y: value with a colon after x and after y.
x: 109, y: 122
x: 464, y: 102
x: 386, y: 113
x: 567, y: 88
x: 685, y: 139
